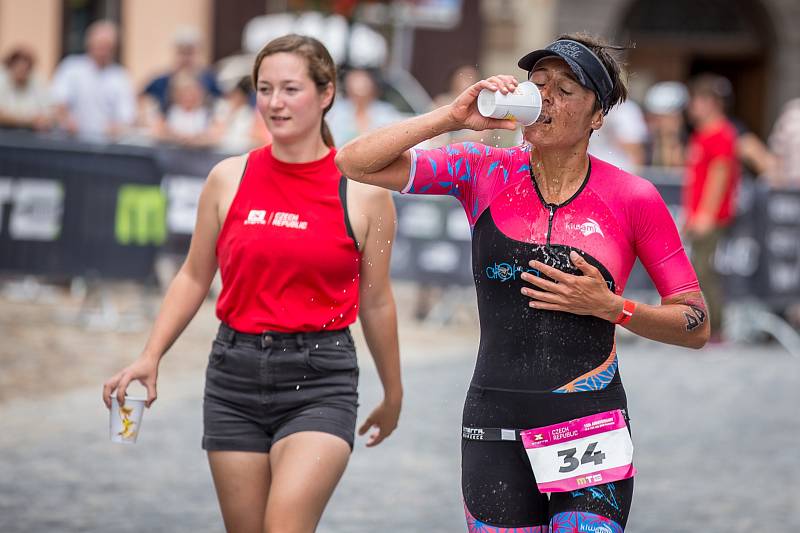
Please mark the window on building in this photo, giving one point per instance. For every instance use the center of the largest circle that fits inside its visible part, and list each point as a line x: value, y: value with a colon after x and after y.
x: 78, y: 15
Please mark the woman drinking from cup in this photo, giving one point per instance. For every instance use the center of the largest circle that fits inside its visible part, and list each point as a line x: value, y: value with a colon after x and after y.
x: 555, y: 233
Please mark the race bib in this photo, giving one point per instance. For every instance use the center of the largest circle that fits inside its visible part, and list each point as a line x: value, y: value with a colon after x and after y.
x: 580, y: 453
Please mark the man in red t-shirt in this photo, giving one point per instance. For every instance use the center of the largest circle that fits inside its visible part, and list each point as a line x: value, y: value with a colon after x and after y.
x: 712, y: 179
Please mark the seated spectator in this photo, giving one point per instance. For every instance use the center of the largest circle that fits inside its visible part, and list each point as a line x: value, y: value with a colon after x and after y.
x: 188, y: 119
x: 93, y: 94
x: 359, y: 110
x: 239, y: 128
x: 664, y: 104
x: 23, y: 100
x: 785, y: 144
x: 187, y: 49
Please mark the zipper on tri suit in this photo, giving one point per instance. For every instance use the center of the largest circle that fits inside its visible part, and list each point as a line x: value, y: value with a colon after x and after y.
x: 552, y: 209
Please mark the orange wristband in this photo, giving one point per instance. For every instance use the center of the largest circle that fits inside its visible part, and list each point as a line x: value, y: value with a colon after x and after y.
x: 628, y: 307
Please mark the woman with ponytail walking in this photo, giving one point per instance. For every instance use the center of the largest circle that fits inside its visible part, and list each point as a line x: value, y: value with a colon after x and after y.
x: 302, y: 252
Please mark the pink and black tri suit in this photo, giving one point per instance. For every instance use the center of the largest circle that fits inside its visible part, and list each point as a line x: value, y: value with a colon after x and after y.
x: 536, y: 367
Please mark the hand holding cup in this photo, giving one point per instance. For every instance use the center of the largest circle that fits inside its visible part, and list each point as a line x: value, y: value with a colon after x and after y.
x: 125, y: 421
x: 464, y: 109
x: 144, y: 370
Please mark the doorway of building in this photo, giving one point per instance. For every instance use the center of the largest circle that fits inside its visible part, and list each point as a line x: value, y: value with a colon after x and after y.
x: 678, y: 39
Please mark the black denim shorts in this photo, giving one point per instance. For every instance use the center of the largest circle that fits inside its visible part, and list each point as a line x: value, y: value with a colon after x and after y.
x: 261, y: 388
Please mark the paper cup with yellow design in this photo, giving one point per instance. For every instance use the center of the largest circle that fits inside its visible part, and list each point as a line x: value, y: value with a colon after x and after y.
x: 126, y: 421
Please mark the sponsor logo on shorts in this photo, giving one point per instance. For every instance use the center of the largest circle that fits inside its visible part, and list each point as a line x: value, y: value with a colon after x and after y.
x: 590, y: 479
x: 587, y: 228
x: 601, y: 529
x: 472, y: 433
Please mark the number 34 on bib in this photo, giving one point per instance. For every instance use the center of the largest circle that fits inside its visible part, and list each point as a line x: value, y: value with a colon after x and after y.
x: 580, y: 453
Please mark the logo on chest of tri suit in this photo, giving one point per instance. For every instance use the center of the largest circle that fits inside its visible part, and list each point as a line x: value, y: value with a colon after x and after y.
x: 587, y: 228
x: 279, y: 219
x: 508, y: 271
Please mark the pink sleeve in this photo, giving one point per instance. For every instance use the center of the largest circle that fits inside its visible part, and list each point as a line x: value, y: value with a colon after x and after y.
x: 658, y: 244
x: 468, y: 171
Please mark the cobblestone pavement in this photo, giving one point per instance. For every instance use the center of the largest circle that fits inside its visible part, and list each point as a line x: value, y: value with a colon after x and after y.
x: 716, y: 434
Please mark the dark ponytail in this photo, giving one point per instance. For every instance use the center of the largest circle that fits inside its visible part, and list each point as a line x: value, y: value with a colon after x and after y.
x: 327, y: 137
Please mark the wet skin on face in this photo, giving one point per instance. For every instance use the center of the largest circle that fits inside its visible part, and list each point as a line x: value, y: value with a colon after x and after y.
x: 567, y: 106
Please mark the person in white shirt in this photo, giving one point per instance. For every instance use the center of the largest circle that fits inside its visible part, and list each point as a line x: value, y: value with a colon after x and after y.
x: 240, y: 128
x: 359, y: 110
x: 23, y: 100
x: 621, y: 140
x: 93, y: 95
x: 188, y: 119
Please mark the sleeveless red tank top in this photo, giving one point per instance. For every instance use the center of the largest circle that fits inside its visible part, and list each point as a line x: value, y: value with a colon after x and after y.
x: 286, y: 254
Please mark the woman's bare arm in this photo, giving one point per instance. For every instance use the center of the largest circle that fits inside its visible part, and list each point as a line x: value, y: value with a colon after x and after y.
x: 381, y: 157
x: 186, y: 292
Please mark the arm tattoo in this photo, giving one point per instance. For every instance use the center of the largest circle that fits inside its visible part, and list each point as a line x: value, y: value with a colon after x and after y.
x: 697, y: 316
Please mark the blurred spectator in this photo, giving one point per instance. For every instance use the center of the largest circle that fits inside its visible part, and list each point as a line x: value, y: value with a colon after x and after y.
x: 239, y: 127
x: 621, y: 139
x: 785, y: 144
x: 712, y: 178
x: 754, y: 156
x: 93, y: 95
x: 23, y: 100
x: 188, y: 119
x: 664, y: 104
x: 359, y: 110
x: 459, y: 80
x: 784, y: 140
x: 187, y: 61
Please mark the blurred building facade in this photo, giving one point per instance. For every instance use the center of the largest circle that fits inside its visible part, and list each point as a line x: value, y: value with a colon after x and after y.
x: 752, y: 42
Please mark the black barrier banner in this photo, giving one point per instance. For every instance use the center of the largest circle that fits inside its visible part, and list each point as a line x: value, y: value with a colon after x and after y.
x: 738, y: 258
x: 184, y: 173
x: 782, y: 247
x: 70, y: 209
x: 433, y: 245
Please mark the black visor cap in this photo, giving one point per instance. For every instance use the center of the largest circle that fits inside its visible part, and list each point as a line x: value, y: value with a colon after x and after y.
x: 587, y: 67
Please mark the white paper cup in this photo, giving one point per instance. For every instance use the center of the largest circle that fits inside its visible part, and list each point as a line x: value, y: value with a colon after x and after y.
x: 523, y: 105
x: 126, y: 421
